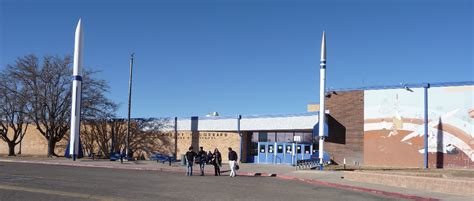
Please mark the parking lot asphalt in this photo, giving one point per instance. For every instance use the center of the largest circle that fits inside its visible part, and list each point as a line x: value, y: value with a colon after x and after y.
x: 20, y: 181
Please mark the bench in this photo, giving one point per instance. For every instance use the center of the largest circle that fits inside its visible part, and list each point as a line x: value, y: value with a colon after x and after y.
x: 115, y: 156
x: 162, y: 158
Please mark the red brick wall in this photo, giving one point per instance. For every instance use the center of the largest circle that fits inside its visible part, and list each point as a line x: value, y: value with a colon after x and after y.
x: 346, y: 127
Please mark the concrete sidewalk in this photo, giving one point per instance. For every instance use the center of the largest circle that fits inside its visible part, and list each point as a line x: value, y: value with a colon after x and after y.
x: 313, y: 177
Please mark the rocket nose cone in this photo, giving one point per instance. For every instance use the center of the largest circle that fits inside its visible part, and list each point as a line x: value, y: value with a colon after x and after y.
x: 79, y: 25
x: 323, y: 47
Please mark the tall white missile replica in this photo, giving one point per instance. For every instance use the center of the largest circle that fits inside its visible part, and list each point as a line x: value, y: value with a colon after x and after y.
x: 76, y: 92
x: 322, y: 94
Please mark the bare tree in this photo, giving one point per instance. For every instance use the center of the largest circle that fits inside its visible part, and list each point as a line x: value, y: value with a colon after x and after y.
x: 49, y: 94
x: 87, y: 137
x: 96, y: 131
x: 147, y: 136
x: 118, y: 133
x: 106, y: 135
x: 13, y: 116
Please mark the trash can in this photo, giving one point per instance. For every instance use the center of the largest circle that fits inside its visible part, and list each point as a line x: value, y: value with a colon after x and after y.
x: 183, y: 160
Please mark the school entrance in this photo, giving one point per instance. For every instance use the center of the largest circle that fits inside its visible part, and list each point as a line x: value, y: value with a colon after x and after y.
x: 279, y: 147
x: 283, y: 153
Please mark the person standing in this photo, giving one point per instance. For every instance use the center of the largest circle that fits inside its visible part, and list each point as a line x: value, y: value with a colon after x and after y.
x: 202, y: 159
x: 217, y: 162
x: 190, y: 160
x: 232, y: 162
x: 122, y: 155
x: 209, y: 157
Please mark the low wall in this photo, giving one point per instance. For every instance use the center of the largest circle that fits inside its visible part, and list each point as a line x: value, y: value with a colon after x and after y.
x: 451, y: 186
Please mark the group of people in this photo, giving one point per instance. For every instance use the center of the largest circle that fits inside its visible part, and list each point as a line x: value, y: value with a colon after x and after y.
x: 215, y: 159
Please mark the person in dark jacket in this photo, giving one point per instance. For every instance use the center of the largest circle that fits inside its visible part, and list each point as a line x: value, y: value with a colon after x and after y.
x: 209, y: 157
x: 202, y: 159
x: 190, y: 160
x: 217, y: 162
x: 232, y: 162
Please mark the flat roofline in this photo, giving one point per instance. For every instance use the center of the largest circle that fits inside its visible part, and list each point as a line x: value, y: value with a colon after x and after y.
x: 403, y: 85
x: 227, y: 117
x: 252, y: 116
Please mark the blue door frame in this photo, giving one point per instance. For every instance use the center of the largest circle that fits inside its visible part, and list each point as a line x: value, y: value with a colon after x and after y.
x: 270, y: 152
x: 282, y: 153
x: 262, y: 152
x: 288, y: 153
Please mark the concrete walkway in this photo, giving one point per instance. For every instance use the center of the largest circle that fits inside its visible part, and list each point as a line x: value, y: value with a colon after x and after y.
x: 312, y: 177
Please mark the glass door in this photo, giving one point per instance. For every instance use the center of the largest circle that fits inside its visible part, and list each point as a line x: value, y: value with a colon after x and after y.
x: 270, y: 153
x: 262, y: 152
x: 279, y: 156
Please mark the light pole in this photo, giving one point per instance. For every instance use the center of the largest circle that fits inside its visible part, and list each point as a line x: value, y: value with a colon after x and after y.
x: 425, y: 134
x: 127, y: 142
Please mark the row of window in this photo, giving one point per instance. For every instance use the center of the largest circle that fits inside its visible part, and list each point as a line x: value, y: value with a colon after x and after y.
x: 288, y: 149
x: 306, y: 137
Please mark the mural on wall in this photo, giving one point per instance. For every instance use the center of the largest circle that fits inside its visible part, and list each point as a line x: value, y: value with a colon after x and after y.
x: 394, y: 127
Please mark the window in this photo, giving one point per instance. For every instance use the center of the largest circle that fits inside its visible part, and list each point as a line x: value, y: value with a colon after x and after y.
x: 306, y: 137
x: 301, y: 136
x: 253, y: 144
x: 271, y: 137
x: 253, y: 148
x: 298, y: 149
x: 280, y: 149
x: 265, y: 136
x: 307, y: 149
x: 262, y: 148
x: 288, y: 149
x: 262, y: 137
x: 270, y: 148
x: 255, y: 137
x: 284, y: 137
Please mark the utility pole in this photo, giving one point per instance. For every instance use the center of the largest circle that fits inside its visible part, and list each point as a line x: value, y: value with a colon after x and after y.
x: 127, y: 142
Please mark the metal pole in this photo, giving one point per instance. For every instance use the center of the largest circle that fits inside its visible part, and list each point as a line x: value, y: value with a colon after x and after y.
x: 112, y: 150
x: 127, y: 142
x: 241, y: 138
x: 296, y: 154
x: 426, y: 86
x: 176, y: 138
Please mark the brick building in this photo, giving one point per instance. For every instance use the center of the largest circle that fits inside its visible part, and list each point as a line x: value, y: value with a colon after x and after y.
x: 373, y: 126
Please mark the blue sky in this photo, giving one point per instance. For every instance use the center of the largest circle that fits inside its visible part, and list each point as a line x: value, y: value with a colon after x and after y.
x: 245, y: 57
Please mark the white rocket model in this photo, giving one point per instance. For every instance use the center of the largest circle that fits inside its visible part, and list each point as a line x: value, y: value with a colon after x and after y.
x: 322, y: 93
x: 76, y: 92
